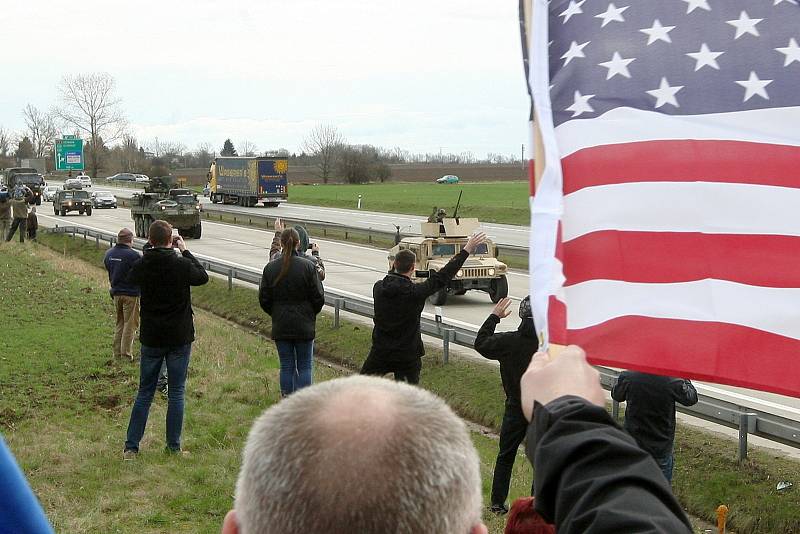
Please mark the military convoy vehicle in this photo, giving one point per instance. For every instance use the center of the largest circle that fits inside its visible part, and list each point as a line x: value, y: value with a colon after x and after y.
x: 68, y: 200
x: 442, y: 238
x: 27, y: 176
x: 179, y: 207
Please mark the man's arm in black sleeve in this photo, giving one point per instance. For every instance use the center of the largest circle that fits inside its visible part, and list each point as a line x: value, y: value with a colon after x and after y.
x: 487, y: 343
x: 439, y: 279
x: 134, y: 276
x: 592, y: 477
x: 620, y: 390
x: 684, y: 392
x: 197, y: 274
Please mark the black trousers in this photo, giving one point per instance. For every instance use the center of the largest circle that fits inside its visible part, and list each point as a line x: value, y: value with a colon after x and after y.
x: 18, y: 223
x: 512, y: 432
x: 404, y: 371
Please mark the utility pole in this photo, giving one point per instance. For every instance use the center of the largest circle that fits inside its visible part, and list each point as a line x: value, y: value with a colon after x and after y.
x: 522, y: 157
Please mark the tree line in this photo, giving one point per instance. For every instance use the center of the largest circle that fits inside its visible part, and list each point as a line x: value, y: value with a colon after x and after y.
x: 89, y: 107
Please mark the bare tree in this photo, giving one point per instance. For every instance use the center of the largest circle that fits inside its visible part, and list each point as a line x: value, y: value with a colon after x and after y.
x: 89, y: 103
x: 5, y: 142
x: 203, y: 154
x: 247, y: 148
x: 324, y: 142
x: 42, y: 129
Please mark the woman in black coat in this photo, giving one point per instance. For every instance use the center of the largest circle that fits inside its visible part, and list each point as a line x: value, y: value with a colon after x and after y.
x: 291, y: 293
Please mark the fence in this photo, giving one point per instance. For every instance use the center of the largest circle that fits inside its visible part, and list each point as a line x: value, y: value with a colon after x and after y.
x: 746, y: 419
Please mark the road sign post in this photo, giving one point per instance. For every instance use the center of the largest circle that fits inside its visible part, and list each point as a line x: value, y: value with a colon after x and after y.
x: 69, y: 154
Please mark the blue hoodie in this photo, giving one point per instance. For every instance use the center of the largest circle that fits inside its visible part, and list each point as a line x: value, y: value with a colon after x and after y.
x: 118, y: 262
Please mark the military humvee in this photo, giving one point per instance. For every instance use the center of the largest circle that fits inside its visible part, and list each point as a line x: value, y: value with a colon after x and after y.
x: 441, y: 240
x: 72, y: 200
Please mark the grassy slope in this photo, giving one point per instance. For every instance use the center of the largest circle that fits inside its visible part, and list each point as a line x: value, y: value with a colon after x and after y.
x: 706, y: 470
x: 70, y: 390
x: 502, y: 202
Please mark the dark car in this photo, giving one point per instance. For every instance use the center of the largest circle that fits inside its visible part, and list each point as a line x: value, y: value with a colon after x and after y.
x: 72, y: 200
x: 104, y: 199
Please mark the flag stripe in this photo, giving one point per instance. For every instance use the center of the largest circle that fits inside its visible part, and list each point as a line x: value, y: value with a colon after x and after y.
x: 626, y: 125
x: 683, y: 207
x: 683, y: 161
x: 708, y: 351
x: 764, y: 308
x: 759, y: 260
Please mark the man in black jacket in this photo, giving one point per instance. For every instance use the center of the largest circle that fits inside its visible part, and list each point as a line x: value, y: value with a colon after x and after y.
x: 166, y: 331
x: 396, y: 339
x: 590, y: 475
x: 514, y: 351
x: 650, y: 413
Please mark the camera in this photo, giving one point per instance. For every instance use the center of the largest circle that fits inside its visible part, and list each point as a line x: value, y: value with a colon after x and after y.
x: 310, y: 246
x: 422, y: 274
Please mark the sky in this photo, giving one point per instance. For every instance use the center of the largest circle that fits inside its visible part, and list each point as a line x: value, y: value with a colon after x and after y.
x: 422, y: 75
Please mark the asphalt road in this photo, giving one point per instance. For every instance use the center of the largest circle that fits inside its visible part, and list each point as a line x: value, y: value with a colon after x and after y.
x: 355, y: 268
x: 504, y: 234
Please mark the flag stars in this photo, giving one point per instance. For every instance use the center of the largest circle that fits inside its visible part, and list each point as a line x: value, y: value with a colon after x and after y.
x: 612, y: 14
x: 697, y: 4
x: 574, y: 8
x: 657, y: 32
x: 791, y: 51
x: 665, y: 94
x: 744, y: 24
x: 754, y: 86
x: 581, y: 104
x: 705, y: 57
x: 617, y: 65
x: 575, y: 50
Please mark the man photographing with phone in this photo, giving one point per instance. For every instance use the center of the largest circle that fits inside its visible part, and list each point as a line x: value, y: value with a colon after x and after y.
x: 166, y: 331
x: 396, y: 339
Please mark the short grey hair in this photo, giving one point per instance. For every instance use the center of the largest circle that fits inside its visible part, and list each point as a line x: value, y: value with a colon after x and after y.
x: 359, y: 454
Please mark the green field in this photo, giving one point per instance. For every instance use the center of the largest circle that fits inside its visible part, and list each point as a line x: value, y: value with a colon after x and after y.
x: 501, y: 202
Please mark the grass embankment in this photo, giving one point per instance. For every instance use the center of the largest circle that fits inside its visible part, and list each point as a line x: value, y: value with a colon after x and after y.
x: 499, y: 202
x: 706, y: 475
x: 65, y: 403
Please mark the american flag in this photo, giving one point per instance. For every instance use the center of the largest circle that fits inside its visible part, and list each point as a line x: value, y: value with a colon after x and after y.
x: 666, y: 225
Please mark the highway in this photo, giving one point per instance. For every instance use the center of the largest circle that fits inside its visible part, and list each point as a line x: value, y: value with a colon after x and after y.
x: 355, y: 268
x: 504, y: 234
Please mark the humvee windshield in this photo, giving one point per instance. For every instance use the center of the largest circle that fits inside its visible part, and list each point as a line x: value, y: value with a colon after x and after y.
x: 29, y: 178
x: 77, y: 195
x: 443, y: 249
x: 184, y: 199
x: 482, y: 249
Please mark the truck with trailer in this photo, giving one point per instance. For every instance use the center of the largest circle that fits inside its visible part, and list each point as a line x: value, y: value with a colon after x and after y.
x: 246, y: 181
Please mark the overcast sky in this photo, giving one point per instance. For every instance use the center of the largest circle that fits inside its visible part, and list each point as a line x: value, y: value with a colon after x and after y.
x: 418, y: 74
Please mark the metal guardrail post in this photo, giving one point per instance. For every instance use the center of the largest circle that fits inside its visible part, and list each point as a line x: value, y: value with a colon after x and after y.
x: 747, y: 424
x: 230, y: 279
x: 97, y: 241
x: 447, y: 334
x: 337, y: 305
x: 614, y: 410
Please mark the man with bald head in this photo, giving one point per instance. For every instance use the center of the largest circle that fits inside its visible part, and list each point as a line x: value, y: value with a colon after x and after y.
x: 118, y: 262
x: 358, y: 454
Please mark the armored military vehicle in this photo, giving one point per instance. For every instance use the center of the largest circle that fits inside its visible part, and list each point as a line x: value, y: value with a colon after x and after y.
x: 179, y: 207
x: 442, y: 238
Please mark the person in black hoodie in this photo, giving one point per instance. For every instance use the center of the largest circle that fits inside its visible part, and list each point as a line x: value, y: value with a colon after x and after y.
x: 396, y: 339
x: 167, y: 329
x: 291, y: 293
x: 514, y: 351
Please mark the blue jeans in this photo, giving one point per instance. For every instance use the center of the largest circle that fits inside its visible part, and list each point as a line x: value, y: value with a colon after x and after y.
x: 295, y: 357
x: 666, y: 463
x: 177, y: 359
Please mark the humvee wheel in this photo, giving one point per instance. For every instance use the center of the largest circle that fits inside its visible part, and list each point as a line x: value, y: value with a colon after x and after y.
x: 198, y: 231
x: 63, y: 212
x: 55, y: 210
x: 498, y: 289
x: 438, y: 298
x: 89, y: 212
x: 80, y: 212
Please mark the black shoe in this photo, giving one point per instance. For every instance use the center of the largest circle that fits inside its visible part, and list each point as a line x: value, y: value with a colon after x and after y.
x: 499, y: 509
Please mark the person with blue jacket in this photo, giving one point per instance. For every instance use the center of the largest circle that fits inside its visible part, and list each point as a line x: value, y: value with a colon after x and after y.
x: 118, y: 261
x: 20, y: 511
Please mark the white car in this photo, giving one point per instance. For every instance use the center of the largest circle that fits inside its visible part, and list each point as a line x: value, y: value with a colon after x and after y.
x: 86, y: 180
x: 50, y: 191
x: 73, y: 183
x: 142, y: 178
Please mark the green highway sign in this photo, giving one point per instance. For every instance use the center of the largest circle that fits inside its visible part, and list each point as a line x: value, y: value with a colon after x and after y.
x: 69, y: 154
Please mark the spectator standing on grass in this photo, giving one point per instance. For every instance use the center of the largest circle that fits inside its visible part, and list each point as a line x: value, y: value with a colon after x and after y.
x: 358, y: 455
x: 396, y: 340
x: 167, y: 329
x: 118, y: 262
x: 291, y: 293
x: 275, y: 248
x: 650, y: 412
x: 19, y: 212
x: 514, y: 351
x: 591, y: 476
x: 5, y: 213
x: 32, y: 225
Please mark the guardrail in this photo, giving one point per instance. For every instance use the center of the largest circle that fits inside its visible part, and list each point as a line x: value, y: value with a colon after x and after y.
x: 746, y: 419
